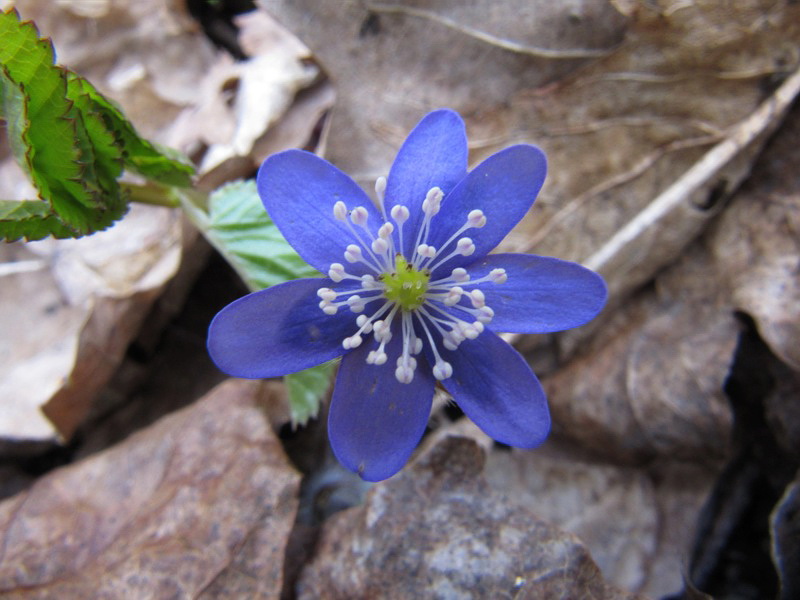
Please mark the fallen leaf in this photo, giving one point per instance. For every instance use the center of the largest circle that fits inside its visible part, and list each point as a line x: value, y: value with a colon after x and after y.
x: 438, y: 529
x: 637, y: 522
x: 195, y: 506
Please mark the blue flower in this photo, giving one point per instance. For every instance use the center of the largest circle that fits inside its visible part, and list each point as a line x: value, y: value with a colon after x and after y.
x: 412, y: 295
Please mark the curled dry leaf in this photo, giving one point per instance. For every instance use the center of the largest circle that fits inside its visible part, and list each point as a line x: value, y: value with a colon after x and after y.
x: 196, y: 506
x: 440, y: 530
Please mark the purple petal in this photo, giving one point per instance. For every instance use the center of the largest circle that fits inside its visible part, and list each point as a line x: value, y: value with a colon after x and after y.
x: 504, y: 187
x: 541, y: 295
x: 298, y: 190
x: 497, y: 390
x: 375, y: 422
x: 277, y: 331
x: 434, y: 154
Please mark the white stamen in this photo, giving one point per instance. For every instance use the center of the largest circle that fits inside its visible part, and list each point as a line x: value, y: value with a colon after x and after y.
x: 460, y: 275
x: 368, y: 282
x: 477, y: 298
x: 465, y: 247
x: 326, y: 294
x: 380, y: 246
x: 433, y: 201
x: 353, y: 254
x: 485, y: 315
x: 359, y: 216
x: 400, y: 214
x: 328, y: 308
x: 476, y: 218
x: 417, y: 346
x: 453, y: 296
x: 340, y: 211
x: 337, y: 272
x: 354, y: 341
x: 498, y: 276
x: 442, y: 369
x: 355, y: 303
x: 426, y: 251
x: 385, y: 231
x: 380, y: 190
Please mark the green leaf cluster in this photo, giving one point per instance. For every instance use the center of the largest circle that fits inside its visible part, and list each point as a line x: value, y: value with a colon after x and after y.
x: 236, y: 224
x: 72, y: 142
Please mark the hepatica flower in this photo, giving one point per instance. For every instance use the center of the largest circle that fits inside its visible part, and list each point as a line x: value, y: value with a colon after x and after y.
x: 412, y: 296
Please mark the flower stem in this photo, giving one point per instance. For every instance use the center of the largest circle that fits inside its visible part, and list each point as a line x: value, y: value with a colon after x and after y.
x: 151, y: 193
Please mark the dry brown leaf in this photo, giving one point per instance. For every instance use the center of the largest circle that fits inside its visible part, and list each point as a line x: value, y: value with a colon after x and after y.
x: 199, y: 505
x: 69, y: 314
x: 653, y: 383
x: 638, y: 523
x: 440, y: 530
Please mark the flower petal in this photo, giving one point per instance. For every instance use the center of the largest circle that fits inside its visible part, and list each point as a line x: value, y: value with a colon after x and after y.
x: 277, y: 331
x: 541, y: 295
x: 497, y: 390
x: 504, y: 187
x: 375, y: 422
x: 434, y: 154
x: 298, y: 190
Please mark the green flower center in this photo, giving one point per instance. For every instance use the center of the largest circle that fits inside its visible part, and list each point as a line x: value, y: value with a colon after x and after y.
x: 406, y: 286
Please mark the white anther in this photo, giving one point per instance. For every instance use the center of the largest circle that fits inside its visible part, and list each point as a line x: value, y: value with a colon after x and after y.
x: 433, y: 201
x: 485, y: 315
x: 453, y: 296
x: 498, y: 275
x: 326, y: 294
x: 355, y: 303
x: 476, y: 218
x: 426, y: 251
x: 362, y: 322
x: 460, y: 275
x: 417, y: 348
x: 380, y: 246
x: 328, y: 308
x: 442, y: 369
x: 359, y: 215
x: 368, y: 282
x: 352, y: 253
x: 477, y: 298
x: 380, y: 187
x: 468, y: 331
x: 340, y: 211
x: 354, y: 341
x: 337, y: 272
x: 380, y: 357
x: 465, y: 247
x: 478, y: 326
x: 407, y: 360
x: 385, y: 231
x: 404, y: 374
x: 450, y: 344
x: 400, y: 214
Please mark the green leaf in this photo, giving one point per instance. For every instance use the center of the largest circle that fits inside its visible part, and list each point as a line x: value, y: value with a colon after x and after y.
x: 235, y: 222
x: 32, y: 219
x: 306, y: 388
x: 163, y: 165
x: 72, y: 141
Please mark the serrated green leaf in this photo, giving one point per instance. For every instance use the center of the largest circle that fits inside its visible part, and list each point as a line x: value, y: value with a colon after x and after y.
x: 236, y: 223
x: 58, y: 151
x: 306, y: 388
x: 71, y: 140
x: 30, y: 219
x: 140, y: 155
